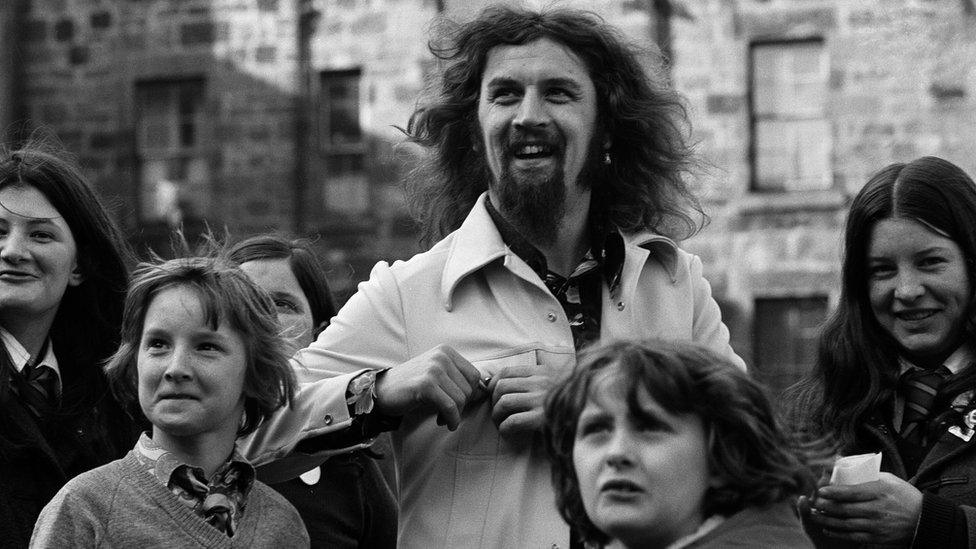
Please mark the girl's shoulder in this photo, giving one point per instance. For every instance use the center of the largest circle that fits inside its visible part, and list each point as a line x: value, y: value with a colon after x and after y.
x: 276, y: 522
x: 96, y: 483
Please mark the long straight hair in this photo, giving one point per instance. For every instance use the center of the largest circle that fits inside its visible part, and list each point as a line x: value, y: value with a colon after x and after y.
x: 857, y: 362
x: 86, y: 327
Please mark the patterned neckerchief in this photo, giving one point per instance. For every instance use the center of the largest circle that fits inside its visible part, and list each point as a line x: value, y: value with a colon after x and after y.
x: 220, y: 500
x: 579, y: 294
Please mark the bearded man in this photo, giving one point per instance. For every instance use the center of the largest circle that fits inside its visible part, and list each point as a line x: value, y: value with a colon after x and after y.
x: 555, y: 187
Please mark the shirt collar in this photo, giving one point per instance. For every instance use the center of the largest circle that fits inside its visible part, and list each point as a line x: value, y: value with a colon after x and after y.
x: 957, y: 361
x: 20, y: 357
x: 478, y: 242
x: 706, y: 526
x: 606, y: 247
x: 162, y: 463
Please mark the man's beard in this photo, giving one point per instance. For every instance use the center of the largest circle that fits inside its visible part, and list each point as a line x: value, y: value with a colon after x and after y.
x: 535, y: 202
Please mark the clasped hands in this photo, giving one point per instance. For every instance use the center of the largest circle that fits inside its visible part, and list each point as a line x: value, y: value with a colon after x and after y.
x: 444, y: 382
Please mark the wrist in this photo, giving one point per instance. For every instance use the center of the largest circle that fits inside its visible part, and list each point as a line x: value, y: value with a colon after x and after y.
x: 361, y: 393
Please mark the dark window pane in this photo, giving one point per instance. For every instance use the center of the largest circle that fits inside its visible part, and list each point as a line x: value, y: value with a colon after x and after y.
x: 339, y: 109
x: 187, y: 134
x: 786, y: 335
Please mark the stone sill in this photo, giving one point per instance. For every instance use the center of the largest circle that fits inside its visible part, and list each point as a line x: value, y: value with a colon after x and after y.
x: 785, y: 202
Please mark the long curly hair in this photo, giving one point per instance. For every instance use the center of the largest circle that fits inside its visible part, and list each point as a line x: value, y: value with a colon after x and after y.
x: 748, y: 451
x: 857, y: 363
x: 643, y: 188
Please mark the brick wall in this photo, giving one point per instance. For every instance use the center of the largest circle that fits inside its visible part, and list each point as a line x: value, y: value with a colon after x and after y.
x: 86, y: 58
x: 902, y: 84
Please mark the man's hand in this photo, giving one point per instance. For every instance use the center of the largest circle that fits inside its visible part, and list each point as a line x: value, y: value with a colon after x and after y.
x: 517, y: 396
x: 885, y: 511
x: 440, y: 379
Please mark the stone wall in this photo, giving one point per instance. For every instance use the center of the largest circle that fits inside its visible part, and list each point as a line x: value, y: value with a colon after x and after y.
x: 10, y: 62
x: 85, y: 59
x: 902, y: 85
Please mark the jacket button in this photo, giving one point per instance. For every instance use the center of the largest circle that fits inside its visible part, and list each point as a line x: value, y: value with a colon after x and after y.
x: 551, y: 316
x: 327, y: 419
x: 620, y: 305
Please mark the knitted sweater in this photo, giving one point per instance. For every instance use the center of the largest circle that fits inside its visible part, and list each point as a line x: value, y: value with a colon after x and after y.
x: 122, y: 505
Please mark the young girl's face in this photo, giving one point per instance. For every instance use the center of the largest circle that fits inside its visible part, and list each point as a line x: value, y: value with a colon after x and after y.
x: 919, y: 288
x: 191, y: 377
x: 38, y: 255
x: 642, y: 477
x: 294, y: 312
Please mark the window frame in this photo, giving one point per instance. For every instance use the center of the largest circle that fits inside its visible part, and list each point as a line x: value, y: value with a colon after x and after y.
x: 755, y: 118
x: 188, y: 156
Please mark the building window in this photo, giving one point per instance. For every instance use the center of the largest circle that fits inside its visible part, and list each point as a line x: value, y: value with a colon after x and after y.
x: 341, y: 143
x: 785, y: 339
x: 791, y: 138
x: 174, y: 172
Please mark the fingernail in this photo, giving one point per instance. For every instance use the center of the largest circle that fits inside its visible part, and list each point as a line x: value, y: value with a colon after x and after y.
x: 483, y: 383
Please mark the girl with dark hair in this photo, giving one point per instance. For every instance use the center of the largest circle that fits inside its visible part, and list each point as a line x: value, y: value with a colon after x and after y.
x: 62, y: 282
x: 894, y: 367
x: 666, y: 444
x: 345, y: 502
x: 201, y: 359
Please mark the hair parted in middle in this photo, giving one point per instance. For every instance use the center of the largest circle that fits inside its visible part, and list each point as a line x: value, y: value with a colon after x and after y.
x: 304, y: 265
x: 645, y: 118
x: 749, y: 452
x: 226, y: 295
x: 857, y: 363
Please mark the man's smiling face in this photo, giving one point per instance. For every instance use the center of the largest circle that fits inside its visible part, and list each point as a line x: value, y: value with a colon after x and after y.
x: 537, y: 115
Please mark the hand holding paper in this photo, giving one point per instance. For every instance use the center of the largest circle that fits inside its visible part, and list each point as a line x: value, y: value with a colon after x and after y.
x: 863, y: 505
x: 857, y: 469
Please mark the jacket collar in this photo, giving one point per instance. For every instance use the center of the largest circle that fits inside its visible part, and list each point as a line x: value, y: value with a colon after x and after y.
x: 663, y: 249
x: 477, y: 242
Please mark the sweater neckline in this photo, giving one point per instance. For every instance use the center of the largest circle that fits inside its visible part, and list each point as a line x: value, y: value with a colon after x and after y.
x: 192, y: 523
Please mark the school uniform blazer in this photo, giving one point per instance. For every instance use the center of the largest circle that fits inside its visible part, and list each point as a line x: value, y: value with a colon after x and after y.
x: 37, y: 457
x: 948, y: 471
x: 471, y: 488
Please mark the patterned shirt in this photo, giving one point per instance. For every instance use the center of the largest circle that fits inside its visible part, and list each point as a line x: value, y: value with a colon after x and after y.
x: 220, y: 501
x: 579, y: 294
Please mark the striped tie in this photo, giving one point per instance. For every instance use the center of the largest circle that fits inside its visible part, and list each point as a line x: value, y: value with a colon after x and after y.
x: 918, y: 387
x: 39, y: 392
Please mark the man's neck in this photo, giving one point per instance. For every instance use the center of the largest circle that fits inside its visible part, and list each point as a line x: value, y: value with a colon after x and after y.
x: 564, y: 253
x: 572, y: 242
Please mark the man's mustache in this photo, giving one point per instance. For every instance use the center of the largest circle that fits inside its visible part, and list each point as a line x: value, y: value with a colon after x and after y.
x: 519, y: 138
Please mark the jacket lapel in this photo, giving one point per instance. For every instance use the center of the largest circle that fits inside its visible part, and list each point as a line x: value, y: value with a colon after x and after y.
x: 15, y: 413
x: 946, y: 448
x: 889, y: 448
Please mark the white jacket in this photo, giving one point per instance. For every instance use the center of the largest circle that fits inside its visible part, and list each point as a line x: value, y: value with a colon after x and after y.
x: 471, y: 488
